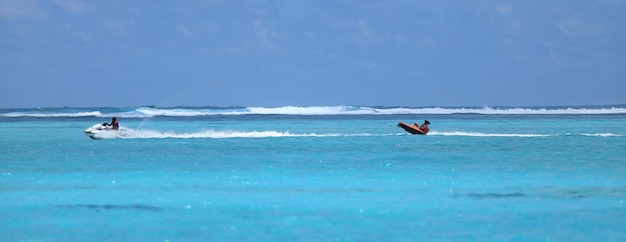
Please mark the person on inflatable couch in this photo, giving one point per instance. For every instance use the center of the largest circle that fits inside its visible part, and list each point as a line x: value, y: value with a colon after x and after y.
x: 424, y: 127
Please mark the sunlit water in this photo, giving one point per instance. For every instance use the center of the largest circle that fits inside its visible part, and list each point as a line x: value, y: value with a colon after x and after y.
x: 284, y: 177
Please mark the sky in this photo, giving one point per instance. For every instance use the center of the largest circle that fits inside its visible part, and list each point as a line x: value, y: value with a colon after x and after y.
x: 126, y: 53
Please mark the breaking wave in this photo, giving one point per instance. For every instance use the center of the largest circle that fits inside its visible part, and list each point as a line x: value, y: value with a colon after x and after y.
x: 146, y: 112
x: 51, y: 115
x: 358, y: 110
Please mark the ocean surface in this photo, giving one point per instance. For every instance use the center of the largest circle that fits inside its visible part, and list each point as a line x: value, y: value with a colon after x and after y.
x: 329, y: 173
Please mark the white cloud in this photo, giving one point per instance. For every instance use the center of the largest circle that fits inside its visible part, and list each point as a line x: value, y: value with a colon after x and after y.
x: 118, y: 25
x: 508, y: 43
x: 17, y: 9
x: 504, y: 10
x: 264, y: 34
x: 574, y: 27
x: 229, y: 51
x: 365, y: 30
x: 211, y: 28
x: 556, y: 60
x: 73, y: 6
x: 521, y: 58
x: 310, y: 35
x: 185, y: 31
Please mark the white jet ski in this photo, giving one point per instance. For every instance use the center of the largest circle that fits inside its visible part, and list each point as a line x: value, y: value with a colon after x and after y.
x: 101, y: 131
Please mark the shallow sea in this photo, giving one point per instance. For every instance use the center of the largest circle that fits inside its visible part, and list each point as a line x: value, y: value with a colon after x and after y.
x: 183, y: 174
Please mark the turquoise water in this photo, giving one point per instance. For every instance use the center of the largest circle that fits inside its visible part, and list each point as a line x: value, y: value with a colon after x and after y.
x: 314, y: 173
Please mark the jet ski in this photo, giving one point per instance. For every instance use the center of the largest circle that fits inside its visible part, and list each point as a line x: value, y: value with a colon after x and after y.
x: 101, y: 131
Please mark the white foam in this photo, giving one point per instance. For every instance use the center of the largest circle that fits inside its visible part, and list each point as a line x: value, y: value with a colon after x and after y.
x: 603, y: 135
x: 154, y: 134
x: 146, y: 134
x: 476, y: 134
